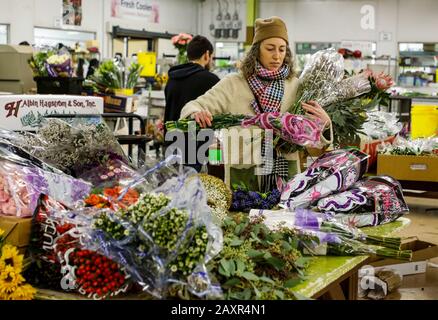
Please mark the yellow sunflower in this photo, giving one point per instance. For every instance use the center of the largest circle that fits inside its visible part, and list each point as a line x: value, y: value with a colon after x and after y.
x: 2, y: 232
x: 11, y: 257
x: 24, y: 292
x: 10, y: 279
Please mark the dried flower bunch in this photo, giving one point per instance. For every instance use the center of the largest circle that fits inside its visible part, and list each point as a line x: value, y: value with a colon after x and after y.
x: 318, y: 78
x: 70, y: 148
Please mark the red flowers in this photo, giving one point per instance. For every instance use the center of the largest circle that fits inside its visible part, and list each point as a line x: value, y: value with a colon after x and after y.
x: 96, y: 274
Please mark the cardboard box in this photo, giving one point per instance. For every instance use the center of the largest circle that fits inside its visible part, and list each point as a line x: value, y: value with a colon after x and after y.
x: 114, y: 103
x: 410, y: 168
x: 17, y: 231
x: 422, y: 251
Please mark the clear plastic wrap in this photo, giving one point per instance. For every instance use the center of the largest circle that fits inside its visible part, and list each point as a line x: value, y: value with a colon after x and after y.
x: 64, y: 262
x: 416, y: 147
x: 59, y: 64
x: 175, y: 235
x: 22, y: 182
x: 381, y: 125
x: 369, y: 202
x: 334, y: 171
x: 75, y: 146
x: 45, y: 270
x: 321, y: 235
x: 322, y: 81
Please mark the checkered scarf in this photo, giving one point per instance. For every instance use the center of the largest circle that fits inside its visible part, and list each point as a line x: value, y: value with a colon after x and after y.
x: 268, y: 88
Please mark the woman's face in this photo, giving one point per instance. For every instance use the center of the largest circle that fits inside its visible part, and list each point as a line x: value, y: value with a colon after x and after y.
x: 272, y: 53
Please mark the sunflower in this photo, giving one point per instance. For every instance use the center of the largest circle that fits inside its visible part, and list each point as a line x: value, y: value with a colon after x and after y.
x: 11, y: 257
x: 10, y: 279
x: 2, y: 232
x: 24, y: 292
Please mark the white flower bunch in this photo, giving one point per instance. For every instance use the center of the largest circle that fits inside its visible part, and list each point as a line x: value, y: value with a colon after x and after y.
x: 57, y: 59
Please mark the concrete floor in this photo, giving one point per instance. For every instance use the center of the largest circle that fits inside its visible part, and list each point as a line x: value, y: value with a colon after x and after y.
x: 424, y: 224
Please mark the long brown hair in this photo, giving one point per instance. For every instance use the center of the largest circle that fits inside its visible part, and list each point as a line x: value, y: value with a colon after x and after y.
x: 248, y: 66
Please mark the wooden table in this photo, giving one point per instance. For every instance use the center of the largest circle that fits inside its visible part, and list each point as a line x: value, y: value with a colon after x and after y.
x: 336, y: 278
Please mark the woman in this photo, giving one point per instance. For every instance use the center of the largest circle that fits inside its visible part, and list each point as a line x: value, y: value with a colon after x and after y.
x: 266, y: 83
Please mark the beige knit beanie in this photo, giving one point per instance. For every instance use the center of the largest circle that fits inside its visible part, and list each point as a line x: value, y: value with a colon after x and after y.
x: 272, y: 27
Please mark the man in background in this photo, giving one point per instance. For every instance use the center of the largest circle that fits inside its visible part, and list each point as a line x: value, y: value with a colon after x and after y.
x: 190, y: 80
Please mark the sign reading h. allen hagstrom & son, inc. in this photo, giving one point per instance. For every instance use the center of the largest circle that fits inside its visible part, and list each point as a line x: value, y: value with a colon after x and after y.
x: 25, y: 112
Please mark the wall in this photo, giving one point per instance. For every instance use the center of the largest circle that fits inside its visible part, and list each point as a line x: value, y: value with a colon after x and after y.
x: 323, y: 21
x: 175, y: 16
x: 19, y: 15
x: 208, y: 11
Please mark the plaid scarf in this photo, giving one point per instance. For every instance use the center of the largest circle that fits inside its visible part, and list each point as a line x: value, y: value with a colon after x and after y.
x: 268, y: 88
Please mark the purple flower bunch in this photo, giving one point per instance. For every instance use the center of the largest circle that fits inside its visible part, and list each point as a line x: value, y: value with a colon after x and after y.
x: 245, y: 200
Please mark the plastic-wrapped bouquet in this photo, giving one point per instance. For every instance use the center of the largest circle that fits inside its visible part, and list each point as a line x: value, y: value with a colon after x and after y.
x: 322, y: 80
x: 334, y: 171
x: 322, y: 235
x: 369, y: 202
x: 73, y: 147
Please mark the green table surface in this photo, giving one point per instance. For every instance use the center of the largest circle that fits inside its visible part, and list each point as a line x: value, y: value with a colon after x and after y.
x: 323, y: 271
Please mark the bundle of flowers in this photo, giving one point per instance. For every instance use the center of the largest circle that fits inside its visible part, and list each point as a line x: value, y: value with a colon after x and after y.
x: 294, y: 129
x: 23, y: 179
x: 288, y: 128
x: 59, y: 65
x: 166, y: 236
x: 257, y: 263
x: 74, y: 147
x: 322, y: 80
x: 415, y: 147
x: 332, y: 172
x: 369, y: 202
x: 245, y: 200
x: 112, y: 198
x: 59, y: 259
x: 12, y: 282
x: 180, y: 41
x: 321, y: 235
x: 51, y: 63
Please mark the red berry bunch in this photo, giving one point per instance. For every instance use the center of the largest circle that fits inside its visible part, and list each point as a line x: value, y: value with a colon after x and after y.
x: 96, y: 274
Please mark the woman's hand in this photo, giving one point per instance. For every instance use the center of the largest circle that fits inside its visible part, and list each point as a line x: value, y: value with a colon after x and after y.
x: 203, y: 118
x: 314, y: 110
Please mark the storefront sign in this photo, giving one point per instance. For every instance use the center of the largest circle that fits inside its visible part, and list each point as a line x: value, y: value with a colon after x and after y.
x: 142, y: 9
x: 25, y: 112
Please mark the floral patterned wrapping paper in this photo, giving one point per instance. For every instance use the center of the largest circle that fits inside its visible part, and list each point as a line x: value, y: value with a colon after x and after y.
x: 334, y: 171
x: 371, y: 201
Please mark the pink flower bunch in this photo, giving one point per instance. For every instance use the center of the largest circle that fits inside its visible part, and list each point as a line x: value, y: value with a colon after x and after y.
x: 381, y: 81
x: 181, y: 40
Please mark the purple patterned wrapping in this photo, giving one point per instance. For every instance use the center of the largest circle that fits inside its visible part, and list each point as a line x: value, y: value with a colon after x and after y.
x: 334, y: 171
x: 371, y: 201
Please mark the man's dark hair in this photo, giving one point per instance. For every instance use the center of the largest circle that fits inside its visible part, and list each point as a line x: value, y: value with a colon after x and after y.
x: 197, y: 47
